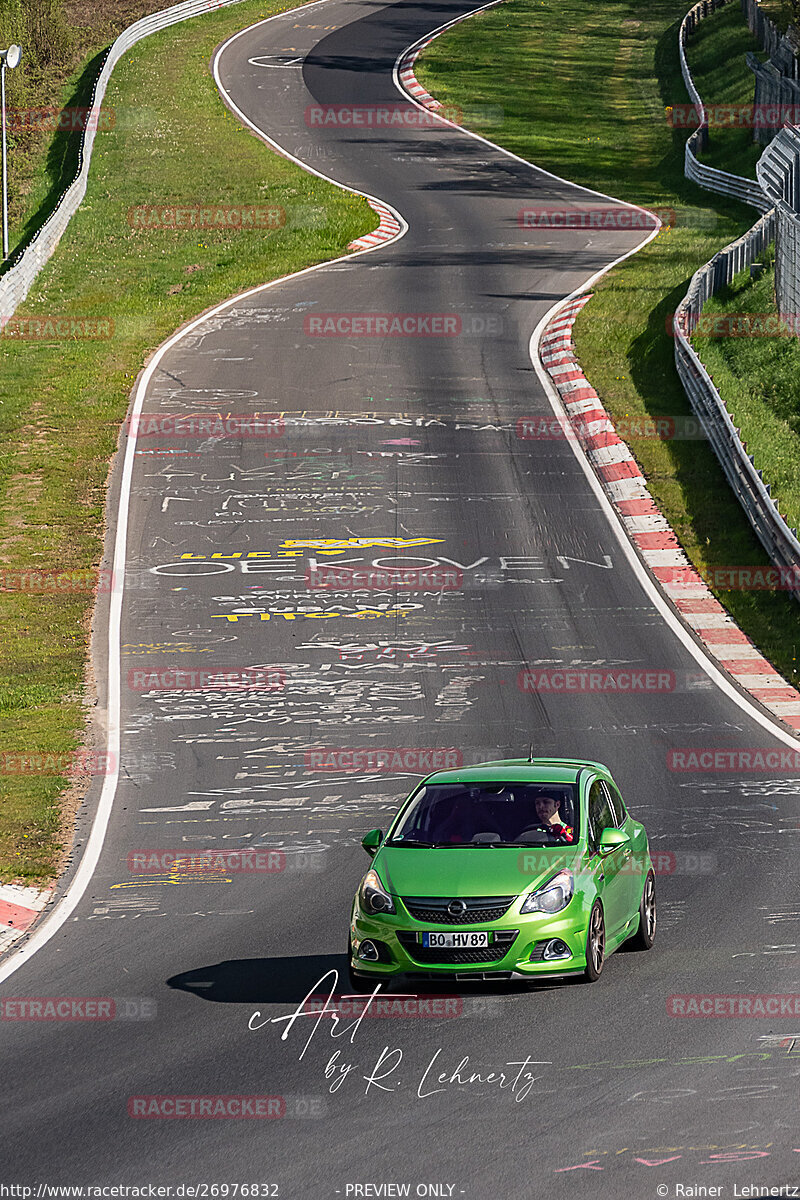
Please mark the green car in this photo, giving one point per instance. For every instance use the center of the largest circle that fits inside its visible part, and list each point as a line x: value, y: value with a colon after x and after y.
x: 516, y: 869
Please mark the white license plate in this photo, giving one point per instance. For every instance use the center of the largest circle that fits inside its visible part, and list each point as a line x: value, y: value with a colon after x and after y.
x: 455, y: 941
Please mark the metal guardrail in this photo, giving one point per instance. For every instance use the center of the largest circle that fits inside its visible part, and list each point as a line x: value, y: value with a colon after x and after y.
x: 18, y: 280
x: 778, y: 172
x: 780, y: 542
x: 777, y: 86
x: 713, y: 180
x: 779, y: 47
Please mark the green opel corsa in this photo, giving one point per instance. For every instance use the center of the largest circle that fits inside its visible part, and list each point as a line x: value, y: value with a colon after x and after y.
x: 516, y: 869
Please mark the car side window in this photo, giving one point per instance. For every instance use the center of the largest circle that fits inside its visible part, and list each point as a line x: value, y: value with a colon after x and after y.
x: 601, y: 815
x: 617, y: 805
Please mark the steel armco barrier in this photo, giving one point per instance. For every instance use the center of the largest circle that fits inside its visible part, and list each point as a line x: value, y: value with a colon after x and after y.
x: 746, y: 190
x: 778, y: 172
x: 776, y: 81
x: 779, y: 541
x: 779, y: 47
x: 18, y: 279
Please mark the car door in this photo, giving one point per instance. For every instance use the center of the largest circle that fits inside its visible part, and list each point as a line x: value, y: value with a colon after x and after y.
x: 608, y: 869
x: 637, y: 860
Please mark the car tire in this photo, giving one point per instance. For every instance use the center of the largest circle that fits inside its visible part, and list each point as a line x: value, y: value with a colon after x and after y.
x: 646, y: 933
x: 595, y: 943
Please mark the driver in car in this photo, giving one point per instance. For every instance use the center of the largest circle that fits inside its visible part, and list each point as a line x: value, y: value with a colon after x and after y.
x: 547, y: 811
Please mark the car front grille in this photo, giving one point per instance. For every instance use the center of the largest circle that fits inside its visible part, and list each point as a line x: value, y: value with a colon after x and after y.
x: 422, y: 954
x: 433, y: 909
x: 466, y: 976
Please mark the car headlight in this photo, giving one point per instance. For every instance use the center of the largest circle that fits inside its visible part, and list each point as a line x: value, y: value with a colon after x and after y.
x: 555, y: 895
x: 373, y: 895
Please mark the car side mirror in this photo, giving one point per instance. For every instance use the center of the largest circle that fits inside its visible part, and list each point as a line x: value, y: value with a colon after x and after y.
x: 372, y: 840
x: 612, y: 839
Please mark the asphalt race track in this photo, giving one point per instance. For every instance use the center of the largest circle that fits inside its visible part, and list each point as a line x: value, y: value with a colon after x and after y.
x: 411, y: 438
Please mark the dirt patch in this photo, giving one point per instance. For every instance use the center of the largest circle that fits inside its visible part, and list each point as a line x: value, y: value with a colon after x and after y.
x: 20, y: 497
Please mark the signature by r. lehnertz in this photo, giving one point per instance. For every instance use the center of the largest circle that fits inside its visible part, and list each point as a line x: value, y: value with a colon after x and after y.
x: 387, y: 1073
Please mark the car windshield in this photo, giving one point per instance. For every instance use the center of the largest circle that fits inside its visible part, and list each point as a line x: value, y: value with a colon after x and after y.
x: 490, y: 814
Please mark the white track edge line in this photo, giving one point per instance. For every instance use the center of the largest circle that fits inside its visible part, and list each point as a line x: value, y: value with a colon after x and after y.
x: 424, y: 41
x: 90, y: 858
x: 64, y: 907
x: 702, y: 656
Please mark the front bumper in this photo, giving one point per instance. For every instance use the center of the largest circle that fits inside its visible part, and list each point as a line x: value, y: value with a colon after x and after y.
x: 515, y: 951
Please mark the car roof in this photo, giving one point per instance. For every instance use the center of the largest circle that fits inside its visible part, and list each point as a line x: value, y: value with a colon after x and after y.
x: 511, y: 770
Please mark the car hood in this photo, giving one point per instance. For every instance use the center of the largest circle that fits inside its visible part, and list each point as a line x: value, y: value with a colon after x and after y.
x: 470, y: 872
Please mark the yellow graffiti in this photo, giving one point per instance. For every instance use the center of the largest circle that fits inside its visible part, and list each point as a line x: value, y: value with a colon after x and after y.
x: 176, y: 875
x: 294, y: 547
x: 358, y: 543
x: 362, y: 614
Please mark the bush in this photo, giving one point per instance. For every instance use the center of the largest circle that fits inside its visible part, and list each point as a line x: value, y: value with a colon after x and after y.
x: 47, y: 33
x: 41, y: 28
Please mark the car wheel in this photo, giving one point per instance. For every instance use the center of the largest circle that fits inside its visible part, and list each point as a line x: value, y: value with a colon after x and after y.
x: 595, y: 943
x: 646, y: 933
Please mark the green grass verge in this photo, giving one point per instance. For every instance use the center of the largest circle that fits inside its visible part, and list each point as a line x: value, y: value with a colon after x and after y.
x: 583, y: 90
x: 716, y: 55
x: 61, y: 403
x: 62, y: 43
x: 759, y: 379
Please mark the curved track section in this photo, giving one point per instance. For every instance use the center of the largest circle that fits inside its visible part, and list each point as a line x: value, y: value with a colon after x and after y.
x: 398, y: 445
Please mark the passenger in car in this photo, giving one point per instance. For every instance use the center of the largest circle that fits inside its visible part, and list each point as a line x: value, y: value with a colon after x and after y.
x: 462, y: 822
